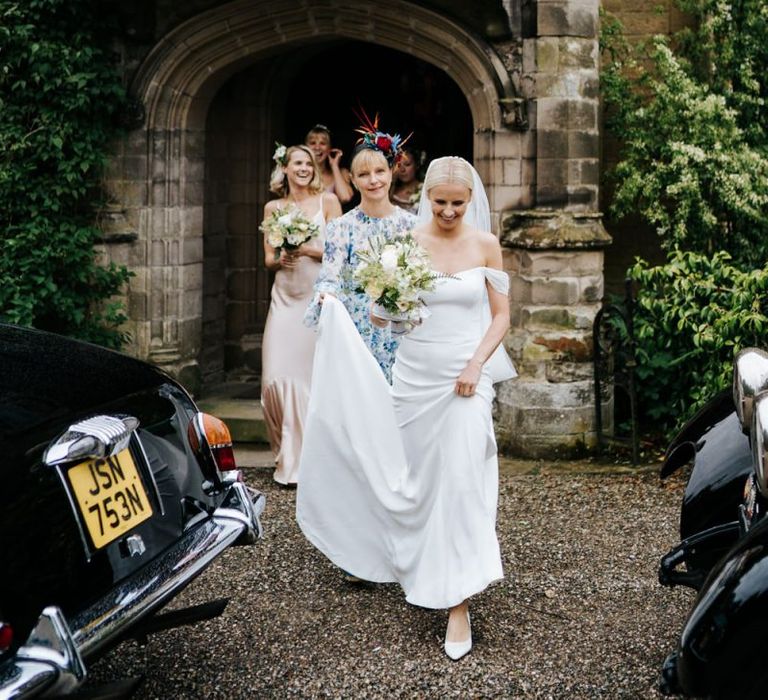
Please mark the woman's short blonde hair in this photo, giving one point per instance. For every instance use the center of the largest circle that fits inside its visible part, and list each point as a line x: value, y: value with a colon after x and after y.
x: 448, y: 170
x: 278, y: 182
x: 367, y: 157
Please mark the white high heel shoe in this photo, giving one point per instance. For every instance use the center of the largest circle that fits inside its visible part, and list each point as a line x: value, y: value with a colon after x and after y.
x: 455, y: 650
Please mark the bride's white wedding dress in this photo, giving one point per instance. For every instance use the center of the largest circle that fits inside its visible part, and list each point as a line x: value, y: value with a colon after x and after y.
x: 400, y: 483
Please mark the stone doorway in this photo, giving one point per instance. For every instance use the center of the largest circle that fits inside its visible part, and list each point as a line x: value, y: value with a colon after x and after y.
x: 279, y: 100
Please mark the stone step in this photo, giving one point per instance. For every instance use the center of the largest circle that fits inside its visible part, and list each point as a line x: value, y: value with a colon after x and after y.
x: 244, y: 417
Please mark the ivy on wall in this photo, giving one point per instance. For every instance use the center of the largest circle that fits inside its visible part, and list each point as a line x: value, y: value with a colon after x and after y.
x: 60, y: 97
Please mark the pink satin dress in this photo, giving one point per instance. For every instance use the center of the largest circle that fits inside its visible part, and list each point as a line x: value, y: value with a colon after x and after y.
x: 288, y: 349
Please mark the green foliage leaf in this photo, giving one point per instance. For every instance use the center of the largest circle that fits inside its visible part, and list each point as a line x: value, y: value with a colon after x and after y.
x: 692, y: 315
x: 60, y: 97
x: 692, y: 123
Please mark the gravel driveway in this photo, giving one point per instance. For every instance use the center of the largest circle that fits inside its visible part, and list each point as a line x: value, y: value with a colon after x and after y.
x: 579, y: 615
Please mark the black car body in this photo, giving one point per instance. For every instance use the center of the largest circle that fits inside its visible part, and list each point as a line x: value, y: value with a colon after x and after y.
x: 116, y: 492
x: 723, y: 552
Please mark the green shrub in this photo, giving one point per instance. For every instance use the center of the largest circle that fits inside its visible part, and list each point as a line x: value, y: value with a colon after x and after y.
x: 60, y: 96
x: 693, y: 163
x: 692, y: 315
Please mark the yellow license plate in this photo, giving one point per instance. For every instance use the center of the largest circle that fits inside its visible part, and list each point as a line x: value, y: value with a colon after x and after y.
x: 111, y: 496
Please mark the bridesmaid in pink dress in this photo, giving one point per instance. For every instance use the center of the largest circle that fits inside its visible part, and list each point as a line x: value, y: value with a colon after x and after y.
x: 288, y: 345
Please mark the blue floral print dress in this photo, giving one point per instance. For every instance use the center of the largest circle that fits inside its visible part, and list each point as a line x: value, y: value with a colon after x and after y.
x: 344, y: 238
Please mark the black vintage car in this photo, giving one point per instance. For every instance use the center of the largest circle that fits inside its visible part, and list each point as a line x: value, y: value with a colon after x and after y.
x: 723, y: 648
x: 116, y: 492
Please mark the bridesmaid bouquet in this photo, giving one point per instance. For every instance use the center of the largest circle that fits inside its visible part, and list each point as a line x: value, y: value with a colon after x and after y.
x: 288, y: 228
x: 395, y: 274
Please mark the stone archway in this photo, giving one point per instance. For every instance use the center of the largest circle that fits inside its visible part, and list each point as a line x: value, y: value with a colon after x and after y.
x: 176, y: 83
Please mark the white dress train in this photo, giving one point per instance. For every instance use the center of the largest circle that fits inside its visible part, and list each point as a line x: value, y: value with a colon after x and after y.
x: 400, y: 483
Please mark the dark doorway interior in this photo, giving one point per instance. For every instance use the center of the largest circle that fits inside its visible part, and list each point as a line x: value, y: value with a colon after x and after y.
x: 409, y: 94
x: 280, y: 99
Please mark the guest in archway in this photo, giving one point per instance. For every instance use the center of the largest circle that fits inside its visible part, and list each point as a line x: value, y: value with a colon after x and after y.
x: 335, y: 178
x: 407, y: 180
x: 374, y: 158
x: 288, y: 346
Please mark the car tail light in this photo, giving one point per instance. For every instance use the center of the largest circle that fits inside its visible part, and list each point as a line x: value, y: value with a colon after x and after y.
x: 6, y: 637
x: 211, y: 442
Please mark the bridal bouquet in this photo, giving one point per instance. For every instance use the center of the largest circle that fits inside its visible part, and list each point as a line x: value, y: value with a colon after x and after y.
x: 394, y: 274
x: 288, y: 228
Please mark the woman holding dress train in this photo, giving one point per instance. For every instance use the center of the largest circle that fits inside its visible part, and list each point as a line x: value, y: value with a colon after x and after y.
x: 402, y: 483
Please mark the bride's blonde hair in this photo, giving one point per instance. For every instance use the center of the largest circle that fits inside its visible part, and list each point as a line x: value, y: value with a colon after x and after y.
x: 448, y: 170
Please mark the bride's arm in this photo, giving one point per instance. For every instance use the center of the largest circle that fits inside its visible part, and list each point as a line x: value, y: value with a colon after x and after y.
x: 499, y: 303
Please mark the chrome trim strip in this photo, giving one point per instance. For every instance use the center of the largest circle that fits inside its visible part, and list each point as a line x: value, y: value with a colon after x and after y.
x: 112, y: 433
x: 48, y: 663
x: 53, y: 660
x: 75, y: 513
x: 148, y: 470
x: 151, y: 586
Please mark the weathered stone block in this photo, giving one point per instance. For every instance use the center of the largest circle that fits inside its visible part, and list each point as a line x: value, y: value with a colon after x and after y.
x: 134, y: 167
x: 192, y: 221
x: 538, y: 446
x: 190, y: 277
x: 578, y: 53
x: 552, y: 19
x: 555, y: 421
x: 512, y: 172
x: 547, y: 55
x: 192, y: 250
x: 583, y: 114
x: 138, y: 255
x: 568, y: 346
x: 553, y: 144
x: 569, y: 371
x: 549, y: 318
x: 552, y: 113
x: 526, y: 394
x: 505, y: 145
x: 591, y: 288
x: 138, y: 306
x: 551, y: 171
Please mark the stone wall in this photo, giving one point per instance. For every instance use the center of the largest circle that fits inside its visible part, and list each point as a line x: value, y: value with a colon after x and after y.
x: 183, y: 181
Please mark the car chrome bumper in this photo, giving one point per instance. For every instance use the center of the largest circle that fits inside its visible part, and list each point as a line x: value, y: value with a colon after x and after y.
x: 50, y: 663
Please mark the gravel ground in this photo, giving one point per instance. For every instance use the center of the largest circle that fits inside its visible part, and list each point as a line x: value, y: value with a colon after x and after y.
x: 579, y: 615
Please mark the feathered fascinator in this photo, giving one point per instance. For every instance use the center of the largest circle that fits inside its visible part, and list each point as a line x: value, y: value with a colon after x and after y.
x: 389, y: 145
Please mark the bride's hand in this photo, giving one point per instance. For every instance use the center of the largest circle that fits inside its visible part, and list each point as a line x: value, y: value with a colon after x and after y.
x: 376, y: 320
x: 468, y: 379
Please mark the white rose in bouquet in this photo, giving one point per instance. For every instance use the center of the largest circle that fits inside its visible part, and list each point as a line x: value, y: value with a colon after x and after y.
x: 288, y: 229
x: 395, y: 274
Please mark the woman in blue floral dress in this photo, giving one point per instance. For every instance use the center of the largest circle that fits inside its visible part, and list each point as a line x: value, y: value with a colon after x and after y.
x: 374, y: 158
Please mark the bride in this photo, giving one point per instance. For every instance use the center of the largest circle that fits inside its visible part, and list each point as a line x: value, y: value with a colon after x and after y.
x: 401, y: 483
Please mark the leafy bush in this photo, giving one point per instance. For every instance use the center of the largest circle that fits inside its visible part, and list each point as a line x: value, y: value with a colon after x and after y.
x: 59, y: 100
x: 693, y: 314
x: 694, y: 163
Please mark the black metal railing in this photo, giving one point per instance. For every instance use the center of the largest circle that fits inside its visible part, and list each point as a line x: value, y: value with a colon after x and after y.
x: 614, y: 371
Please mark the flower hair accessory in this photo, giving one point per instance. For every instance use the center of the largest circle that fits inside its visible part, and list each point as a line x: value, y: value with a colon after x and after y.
x: 389, y: 145
x: 279, y: 155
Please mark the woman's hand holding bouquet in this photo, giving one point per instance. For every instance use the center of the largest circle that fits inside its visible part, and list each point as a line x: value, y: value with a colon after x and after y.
x: 287, y: 229
x: 395, y: 274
